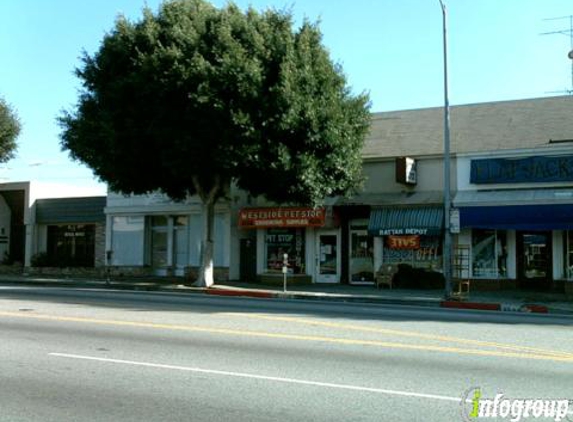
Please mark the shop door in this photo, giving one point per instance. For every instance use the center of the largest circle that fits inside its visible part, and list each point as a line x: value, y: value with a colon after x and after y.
x: 534, y: 260
x: 328, y: 258
x: 361, y: 257
x: 248, y: 260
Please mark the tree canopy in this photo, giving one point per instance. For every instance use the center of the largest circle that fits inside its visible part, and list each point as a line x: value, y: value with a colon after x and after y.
x: 9, y: 131
x: 193, y: 97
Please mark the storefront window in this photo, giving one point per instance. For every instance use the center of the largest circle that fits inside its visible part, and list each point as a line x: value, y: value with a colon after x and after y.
x: 127, y: 240
x: 71, y: 245
x: 489, y: 253
x: 417, y: 251
x: 166, y: 232
x: 281, y: 241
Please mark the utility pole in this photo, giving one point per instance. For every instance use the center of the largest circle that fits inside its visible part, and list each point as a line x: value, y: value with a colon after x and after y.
x: 447, y: 253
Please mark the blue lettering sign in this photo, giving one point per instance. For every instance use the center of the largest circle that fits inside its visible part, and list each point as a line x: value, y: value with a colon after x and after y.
x: 522, y: 170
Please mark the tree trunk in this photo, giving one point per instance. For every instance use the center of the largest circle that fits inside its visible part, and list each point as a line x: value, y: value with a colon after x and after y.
x: 205, y: 276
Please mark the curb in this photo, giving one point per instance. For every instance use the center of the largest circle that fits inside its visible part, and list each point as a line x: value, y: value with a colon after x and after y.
x: 499, y: 307
x: 261, y: 294
x: 503, y: 307
x: 316, y: 297
x: 470, y: 305
x: 240, y: 293
x: 359, y: 299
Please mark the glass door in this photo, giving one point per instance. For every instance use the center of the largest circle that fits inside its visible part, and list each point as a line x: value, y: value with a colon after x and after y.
x: 159, y: 248
x: 328, y: 262
x: 159, y: 244
x: 534, y: 260
x: 180, y: 244
x: 361, y: 256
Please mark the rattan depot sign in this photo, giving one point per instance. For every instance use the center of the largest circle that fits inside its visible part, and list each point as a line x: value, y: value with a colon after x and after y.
x: 265, y: 218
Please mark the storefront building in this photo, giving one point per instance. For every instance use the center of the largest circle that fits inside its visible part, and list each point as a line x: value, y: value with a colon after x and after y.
x: 152, y: 235
x: 409, y: 235
x: 405, y: 221
x: 14, y: 218
x: 306, y: 239
x: 348, y: 239
x: 516, y: 215
x: 398, y: 217
x: 330, y: 244
x: 42, y: 233
x: 511, y: 186
x: 69, y: 232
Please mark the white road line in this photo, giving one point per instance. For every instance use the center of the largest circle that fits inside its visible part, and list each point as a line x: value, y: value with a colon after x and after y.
x: 261, y: 377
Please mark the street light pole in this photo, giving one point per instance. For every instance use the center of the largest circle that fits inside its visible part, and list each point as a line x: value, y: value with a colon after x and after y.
x: 447, y: 253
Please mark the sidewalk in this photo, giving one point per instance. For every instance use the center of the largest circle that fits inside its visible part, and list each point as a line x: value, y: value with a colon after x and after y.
x: 506, y: 301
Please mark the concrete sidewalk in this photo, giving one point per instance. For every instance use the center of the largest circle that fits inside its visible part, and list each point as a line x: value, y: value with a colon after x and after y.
x: 507, y: 301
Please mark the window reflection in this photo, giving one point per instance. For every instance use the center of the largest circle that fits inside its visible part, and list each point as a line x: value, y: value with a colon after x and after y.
x: 489, y: 253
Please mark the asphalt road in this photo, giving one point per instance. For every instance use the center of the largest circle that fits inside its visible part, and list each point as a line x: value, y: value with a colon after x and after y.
x: 92, y: 355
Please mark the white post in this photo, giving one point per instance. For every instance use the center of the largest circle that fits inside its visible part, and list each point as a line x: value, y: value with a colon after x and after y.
x: 285, y: 271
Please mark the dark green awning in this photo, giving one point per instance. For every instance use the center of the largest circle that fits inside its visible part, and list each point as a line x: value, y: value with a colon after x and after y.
x: 70, y: 210
x: 406, y: 221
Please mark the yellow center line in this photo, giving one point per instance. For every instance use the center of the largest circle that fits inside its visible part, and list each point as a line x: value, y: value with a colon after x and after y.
x: 402, y: 333
x: 283, y: 336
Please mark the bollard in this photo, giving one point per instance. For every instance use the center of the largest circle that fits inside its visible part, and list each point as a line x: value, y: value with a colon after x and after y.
x: 285, y: 271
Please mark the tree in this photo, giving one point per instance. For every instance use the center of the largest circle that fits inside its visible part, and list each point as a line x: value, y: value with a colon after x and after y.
x: 9, y: 131
x: 194, y: 98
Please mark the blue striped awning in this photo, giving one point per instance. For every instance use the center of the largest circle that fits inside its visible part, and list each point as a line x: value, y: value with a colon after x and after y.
x: 406, y: 221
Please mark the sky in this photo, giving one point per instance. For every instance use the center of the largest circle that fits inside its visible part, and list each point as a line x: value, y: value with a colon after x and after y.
x: 391, y: 49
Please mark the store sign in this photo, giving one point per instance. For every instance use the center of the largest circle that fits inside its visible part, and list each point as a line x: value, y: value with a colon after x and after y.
x: 535, y: 169
x: 406, y: 171
x: 264, y: 218
x: 74, y: 231
x: 404, y: 242
x: 455, y: 226
x: 74, y: 234
x: 408, y: 231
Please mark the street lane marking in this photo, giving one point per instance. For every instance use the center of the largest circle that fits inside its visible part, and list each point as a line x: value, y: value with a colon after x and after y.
x: 402, y: 333
x: 260, y: 377
x: 298, y: 337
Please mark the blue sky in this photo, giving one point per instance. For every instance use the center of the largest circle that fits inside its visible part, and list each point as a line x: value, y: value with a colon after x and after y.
x: 390, y: 48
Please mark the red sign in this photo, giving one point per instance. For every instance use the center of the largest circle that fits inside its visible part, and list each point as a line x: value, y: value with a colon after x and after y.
x: 404, y: 242
x: 264, y: 218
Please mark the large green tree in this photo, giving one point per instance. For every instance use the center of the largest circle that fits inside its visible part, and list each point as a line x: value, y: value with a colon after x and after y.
x: 192, y: 99
x: 9, y: 131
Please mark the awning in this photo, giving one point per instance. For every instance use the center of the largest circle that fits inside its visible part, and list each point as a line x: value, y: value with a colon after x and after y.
x: 70, y: 210
x: 394, y: 199
x: 406, y: 221
x: 518, y: 217
x: 471, y: 198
